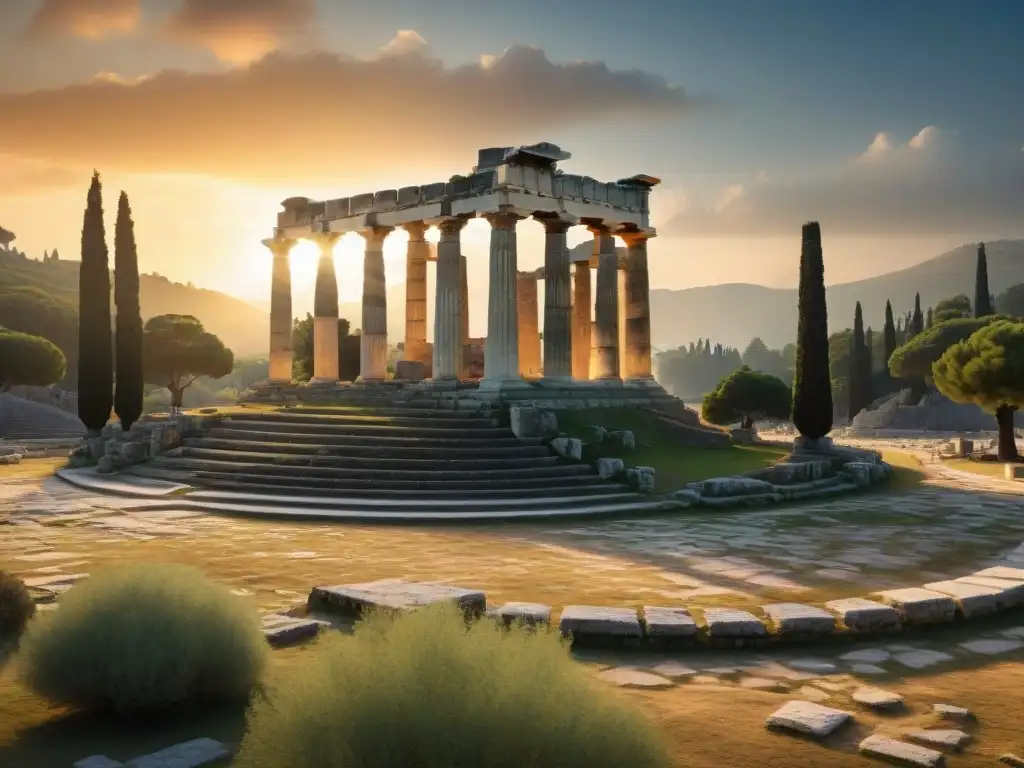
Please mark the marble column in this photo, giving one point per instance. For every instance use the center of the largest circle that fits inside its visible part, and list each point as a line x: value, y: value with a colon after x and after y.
x: 606, y: 306
x: 463, y: 318
x: 581, y: 298
x: 557, y: 301
x: 447, y: 347
x: 280, y: 310
x: 416, y: 293
x: 373, y: 349
x: 620, y: 315
x: 325, y: 313
x: 529, y: 330
x: 638, y: 307
x: 501, y: 354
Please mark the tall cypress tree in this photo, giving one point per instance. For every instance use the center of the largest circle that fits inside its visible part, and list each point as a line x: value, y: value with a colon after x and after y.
x: 929, y: 319
x: 857, y: 359
x: 812, y: 383
x: 917, y: 319
x: 888, y: 337
x: 869, y: 366
x: 128, y: 390
x: 982, y: 298
x: 95, y: 362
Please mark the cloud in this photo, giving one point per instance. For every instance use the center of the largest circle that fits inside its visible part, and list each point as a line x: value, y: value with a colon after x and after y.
x: 324, y: 117
x: 240, y: 31
x: 406, y: 42
x: 929, y: 185
x: 93, y: 19
x: 19, y: 177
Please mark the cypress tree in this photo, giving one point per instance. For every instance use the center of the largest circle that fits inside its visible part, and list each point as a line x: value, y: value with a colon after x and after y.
x: 929, y: 319
x: 888, y: 337
x: 128, y: 391
x: 982, y: 298
x: 869, y: 351
x: 857, y: 358
x: 812, y: 383
x: 95, y: 362
x: 917, y: 320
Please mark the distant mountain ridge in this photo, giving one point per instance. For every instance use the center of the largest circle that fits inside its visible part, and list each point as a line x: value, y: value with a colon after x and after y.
x: 734, y: 313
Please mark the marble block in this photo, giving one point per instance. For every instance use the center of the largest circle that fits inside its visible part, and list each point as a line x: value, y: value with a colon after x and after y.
x: 862, y: 615
x: 598, y: 622
x: 876, y: 698
x: 920, y: 606
x: 1012, y: 590
x: 808, y: 718
x: 973, y: 599
x: 395, y: 595
x: 901, y: 752
x: 797, y: 619
x: 731, y: 622
x: 668, y: 623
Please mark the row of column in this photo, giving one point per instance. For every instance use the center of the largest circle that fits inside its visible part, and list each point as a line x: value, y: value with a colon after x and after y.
x: 567, y: 325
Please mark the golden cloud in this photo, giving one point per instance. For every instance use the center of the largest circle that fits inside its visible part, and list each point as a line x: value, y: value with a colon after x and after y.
x: 93, y: 19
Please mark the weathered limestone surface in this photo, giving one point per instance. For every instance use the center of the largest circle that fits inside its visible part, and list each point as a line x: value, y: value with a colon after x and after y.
x: 920, y: 606
x: 808, y: 718
x: 590, y: 621
x: 373, y: 351
x: 1011, y: 591
x: 325, y: 313
x: 447, y: 348
x: 638, y: 308
x: 794, y: 618
x: 606, y: 306
x: 973, y: 599
x: 732, y: 622
x: 557, y: 301
x: 416, y: 293
x: 526, y: 421
x: 581, y: 323
x: 501, y: 355
x: 528, y: 613
x: 280, y: 630
x: 569, y: 447
x: 876, y: 698
x: 951, y: 739
x: 668, y: 622
x: 280, y: 310
x: 862, y: 615
x: 951, y: 712
x: 394, y: 594
x: 901, y: 752
x: 529, y: 331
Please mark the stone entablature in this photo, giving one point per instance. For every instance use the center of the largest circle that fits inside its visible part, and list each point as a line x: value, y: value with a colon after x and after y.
x: 525, y: 179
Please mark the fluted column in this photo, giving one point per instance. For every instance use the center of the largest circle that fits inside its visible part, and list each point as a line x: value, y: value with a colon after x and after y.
x: 620, y: 314
x: 463, y: 318
x: 638, y: 307
x: 581, y: 298
x: 280, y: 310
x: 501, y: 354
x: 373, y: 349
x: 557, y: 301
x: 416, y: 292
x: 606, y: 306
x: 325, y: 313
x: 529, y: 330
x: 447, y: 346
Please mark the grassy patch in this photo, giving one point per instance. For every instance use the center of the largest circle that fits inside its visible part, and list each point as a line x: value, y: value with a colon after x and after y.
x: 984, y: 468
x: 907, y: 471
x: 675, y: 464
x: 31, y: 469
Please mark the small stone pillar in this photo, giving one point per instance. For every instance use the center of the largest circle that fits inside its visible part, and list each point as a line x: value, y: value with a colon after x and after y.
x: 529, y: 332
x: 373, y: 349
x: 501, y: 355
x: 638, y: 307
x: 446, y: 304
x: 558, y: 342
x: 416, y: 293
x: 280, y: 310
x: 325, y: 313
x: 606, y: 307
x: 581, y: 323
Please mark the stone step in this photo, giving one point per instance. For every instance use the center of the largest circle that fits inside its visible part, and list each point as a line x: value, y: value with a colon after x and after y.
x: 332, y: 445
x: 396, y: 458
x: 310, y: 433
x: 367, y: 417
x: 396, y: 489
x: 423, y: 410
x: 326, y: 426
x: 332, y: 468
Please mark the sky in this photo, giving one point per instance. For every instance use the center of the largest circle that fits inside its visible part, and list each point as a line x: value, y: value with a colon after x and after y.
x: 898, y: 126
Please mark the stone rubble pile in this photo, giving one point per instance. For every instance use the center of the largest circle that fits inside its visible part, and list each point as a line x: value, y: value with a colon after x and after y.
x: 115, y: 449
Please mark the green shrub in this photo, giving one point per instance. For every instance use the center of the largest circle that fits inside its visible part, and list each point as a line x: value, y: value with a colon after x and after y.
x: 145, y: 637
x: 16, y: 608
x: 421, y: 689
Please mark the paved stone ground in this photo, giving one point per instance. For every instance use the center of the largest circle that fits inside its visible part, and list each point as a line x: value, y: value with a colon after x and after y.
x: 946, y: 527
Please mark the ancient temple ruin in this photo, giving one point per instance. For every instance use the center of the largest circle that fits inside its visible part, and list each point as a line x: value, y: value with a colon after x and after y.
x: 508, y: 184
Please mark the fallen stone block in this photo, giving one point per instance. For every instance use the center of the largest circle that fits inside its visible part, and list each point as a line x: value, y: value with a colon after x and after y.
x: 529, y: 614
x: 941, y: 738
x: 394, y: 595
x: 732, y: 486
x: 527, y: 421
x: 972, y: 599
x: 608, y: 468
x: 797, y: 619
x: 568, y: 447
x: 952, y: 712
x: 669, y: 626
x: 862, y: 615
x: 293, y: 631
x: 190, y: 754
x: 808, y: 718
x: 97, y: 761
x: 920, y: 606
x: 640, y: 479
x: 876, y: 698
x: 733, y: 623
x: 591, y: 624
x: 901, y: 752
x: 1012, y: 760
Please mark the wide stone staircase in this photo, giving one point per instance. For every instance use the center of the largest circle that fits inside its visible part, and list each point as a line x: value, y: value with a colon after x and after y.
x: 396, y: 462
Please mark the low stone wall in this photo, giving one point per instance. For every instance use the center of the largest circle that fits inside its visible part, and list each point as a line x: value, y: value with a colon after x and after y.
x: 115, y: 449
